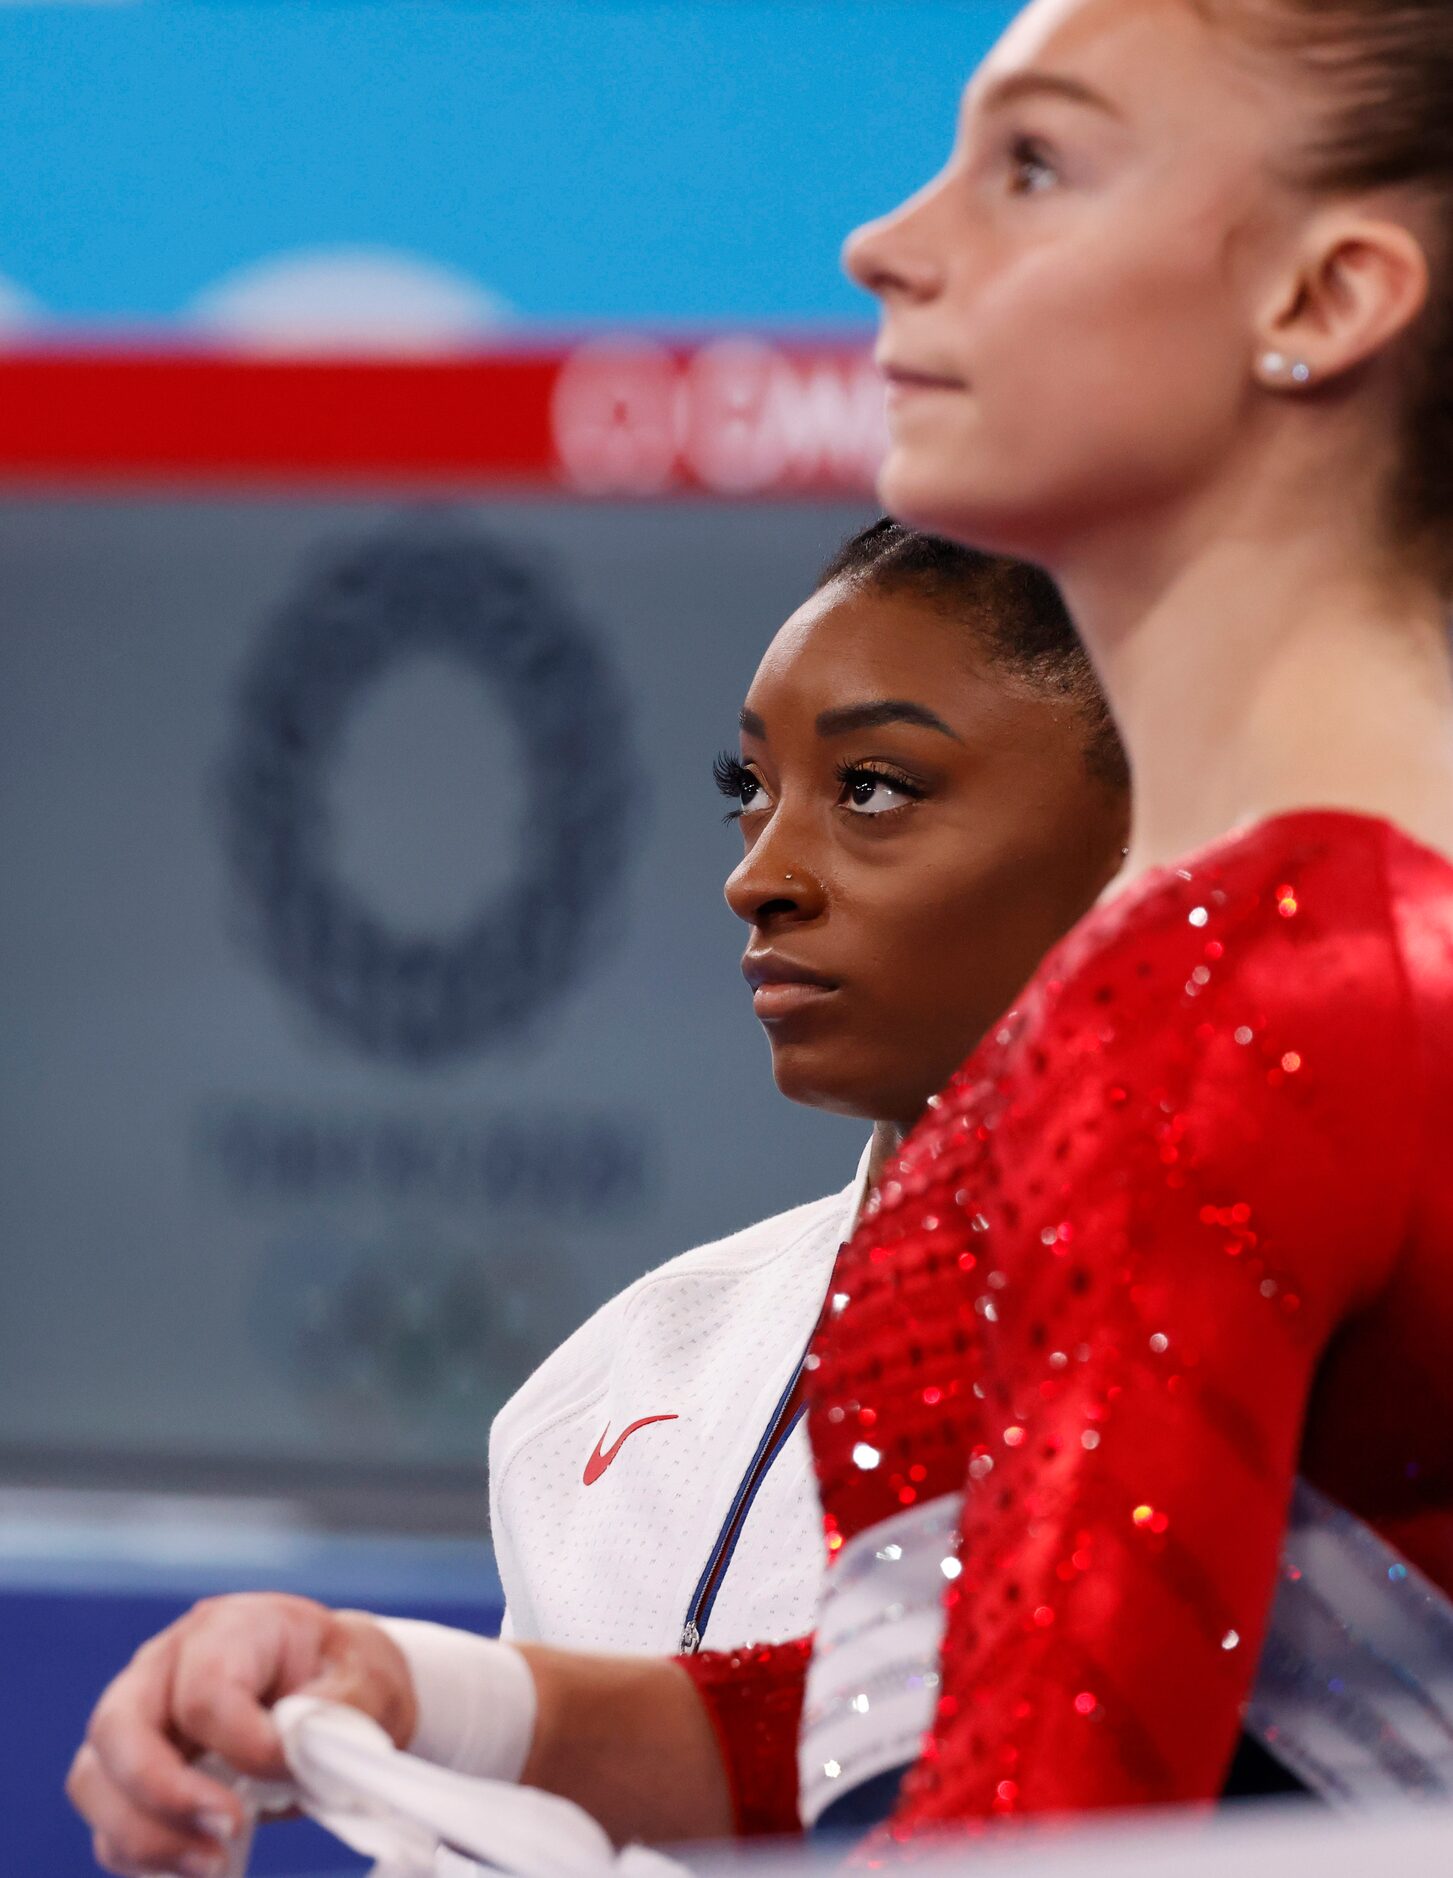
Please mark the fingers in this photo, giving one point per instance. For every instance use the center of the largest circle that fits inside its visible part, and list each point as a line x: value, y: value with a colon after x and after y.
x: 363, y: 1667
x: 130, y: 1736
x: 200, y: 1686
x: 216, y: 1704
x: 129, y: 1841
x: 234, y: 1657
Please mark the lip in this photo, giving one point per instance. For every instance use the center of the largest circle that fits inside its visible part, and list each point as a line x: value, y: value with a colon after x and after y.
x: 781, y: 988
x: 901, y: 376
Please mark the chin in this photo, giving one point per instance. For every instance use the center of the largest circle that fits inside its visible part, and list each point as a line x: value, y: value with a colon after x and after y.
x: 815, y: 1086
x: 930, y: 491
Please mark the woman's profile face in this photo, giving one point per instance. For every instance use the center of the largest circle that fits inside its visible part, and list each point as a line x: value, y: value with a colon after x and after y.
x: 1068, y: 308
x: 919, y: 827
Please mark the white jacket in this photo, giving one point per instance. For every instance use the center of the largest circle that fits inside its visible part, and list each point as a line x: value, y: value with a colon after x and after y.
x: 643, y: 1491
x: 646, y: 1490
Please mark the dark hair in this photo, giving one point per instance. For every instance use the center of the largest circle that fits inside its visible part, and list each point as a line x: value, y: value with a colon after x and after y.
x: 1014, y: 609
x: 1384, y: 72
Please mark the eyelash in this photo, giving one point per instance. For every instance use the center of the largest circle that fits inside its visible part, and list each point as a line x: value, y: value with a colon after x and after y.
x: 850, y: 773
x: 732, y: 778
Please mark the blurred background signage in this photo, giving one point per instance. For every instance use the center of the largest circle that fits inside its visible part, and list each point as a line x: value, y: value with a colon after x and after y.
x: 414, y: 422
x: 415, y: 419
x: 619, y: 415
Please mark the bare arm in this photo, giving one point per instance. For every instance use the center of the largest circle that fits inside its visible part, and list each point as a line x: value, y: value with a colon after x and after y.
x: 627, y: 1738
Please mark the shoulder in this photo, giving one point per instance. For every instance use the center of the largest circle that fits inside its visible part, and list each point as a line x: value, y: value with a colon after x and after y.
x: 1268, y: 970
x: 1420, y: 894
x: 1224, y: 1056
x: 711, y: 1280
x: 1301, y: 914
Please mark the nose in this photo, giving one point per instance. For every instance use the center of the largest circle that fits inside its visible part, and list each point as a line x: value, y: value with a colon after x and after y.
x: 775, y: 884
x: 893, y: 257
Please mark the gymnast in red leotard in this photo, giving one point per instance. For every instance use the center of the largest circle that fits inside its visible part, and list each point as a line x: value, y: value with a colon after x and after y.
x: 1176, y: 322
x: 1198, y: 1171
x: 1185, y: 1225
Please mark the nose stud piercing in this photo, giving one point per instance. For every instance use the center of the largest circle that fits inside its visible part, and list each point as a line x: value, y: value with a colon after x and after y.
x: 789, y: 877
x: 1278, y: 365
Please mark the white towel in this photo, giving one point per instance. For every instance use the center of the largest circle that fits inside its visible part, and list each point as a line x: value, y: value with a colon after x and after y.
x: 416, y: 1820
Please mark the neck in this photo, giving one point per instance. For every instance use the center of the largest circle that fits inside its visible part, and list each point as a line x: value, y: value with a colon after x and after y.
x: 887, y: 1140
x: 1255, y: 668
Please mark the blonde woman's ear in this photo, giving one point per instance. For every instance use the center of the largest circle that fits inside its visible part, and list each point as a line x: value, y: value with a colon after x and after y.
x: 1360, y: 284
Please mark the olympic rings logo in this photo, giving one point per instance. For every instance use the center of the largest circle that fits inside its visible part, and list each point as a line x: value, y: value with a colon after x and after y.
x: 404, y: 998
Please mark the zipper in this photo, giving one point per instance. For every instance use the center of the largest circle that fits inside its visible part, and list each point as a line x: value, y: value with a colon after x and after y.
x: 785, y: 1417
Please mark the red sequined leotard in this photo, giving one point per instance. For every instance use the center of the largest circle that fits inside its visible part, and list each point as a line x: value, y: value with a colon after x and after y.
x: 1182, y: 1227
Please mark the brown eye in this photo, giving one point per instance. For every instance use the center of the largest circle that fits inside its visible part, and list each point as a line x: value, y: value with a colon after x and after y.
x: 874, y: 792
x: 1032, y: 169
x: 736, y: 781
x: 751, y: 795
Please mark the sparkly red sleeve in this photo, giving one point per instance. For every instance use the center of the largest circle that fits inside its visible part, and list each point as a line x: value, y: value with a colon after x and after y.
x: 1213, y: 1174
x: 1099, y: 1282
x: 754, y: 1700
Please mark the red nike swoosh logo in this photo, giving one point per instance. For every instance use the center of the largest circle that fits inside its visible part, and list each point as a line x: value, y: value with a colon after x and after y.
x: 602, y: 1457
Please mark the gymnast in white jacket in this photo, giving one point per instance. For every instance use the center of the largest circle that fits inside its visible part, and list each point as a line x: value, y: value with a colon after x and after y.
x: 930, y: 792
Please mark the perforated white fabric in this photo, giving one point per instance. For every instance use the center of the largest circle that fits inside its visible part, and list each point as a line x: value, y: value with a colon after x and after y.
x: 711, y: 1339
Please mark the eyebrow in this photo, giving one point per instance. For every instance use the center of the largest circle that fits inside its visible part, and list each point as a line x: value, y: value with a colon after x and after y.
x: 850, y: 717
x: 1017, y: 85
x: 882, y: 711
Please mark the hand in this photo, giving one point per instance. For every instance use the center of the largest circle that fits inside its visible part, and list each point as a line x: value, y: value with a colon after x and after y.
x: 206, y: 1683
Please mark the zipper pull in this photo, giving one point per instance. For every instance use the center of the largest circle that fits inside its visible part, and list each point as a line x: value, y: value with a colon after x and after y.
x: 690, y: 1640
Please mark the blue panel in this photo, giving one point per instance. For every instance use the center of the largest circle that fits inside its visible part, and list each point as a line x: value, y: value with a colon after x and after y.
x: 58, y: 1652
x: 587, y: 161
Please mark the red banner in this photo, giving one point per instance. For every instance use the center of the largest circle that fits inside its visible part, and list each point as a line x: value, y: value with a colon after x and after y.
x: 732, y: 416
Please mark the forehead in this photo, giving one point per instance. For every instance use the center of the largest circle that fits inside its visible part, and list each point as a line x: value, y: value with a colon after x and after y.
x: 1153, y: 60
x: 1095, y: 32
x: 854, y: 640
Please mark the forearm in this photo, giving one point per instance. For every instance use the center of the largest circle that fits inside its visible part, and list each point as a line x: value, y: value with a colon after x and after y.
x: 628, y: 1739
x: 656, y: 1749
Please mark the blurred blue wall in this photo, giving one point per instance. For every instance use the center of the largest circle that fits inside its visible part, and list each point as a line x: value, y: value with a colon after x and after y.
x: 580, y: 159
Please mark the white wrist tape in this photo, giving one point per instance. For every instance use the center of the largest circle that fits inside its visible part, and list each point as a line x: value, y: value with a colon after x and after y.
x: 476, y: 1699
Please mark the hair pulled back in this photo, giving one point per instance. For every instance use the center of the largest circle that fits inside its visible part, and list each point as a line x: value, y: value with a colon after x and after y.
x: 1381, y: 73
x: 1014, y: 610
